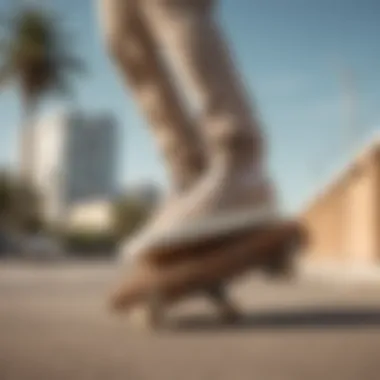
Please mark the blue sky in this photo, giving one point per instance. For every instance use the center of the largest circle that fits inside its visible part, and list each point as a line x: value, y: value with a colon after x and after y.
x: 292, y: 54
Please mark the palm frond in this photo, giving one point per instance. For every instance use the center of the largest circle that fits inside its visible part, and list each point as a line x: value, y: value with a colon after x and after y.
x: 40, y: 57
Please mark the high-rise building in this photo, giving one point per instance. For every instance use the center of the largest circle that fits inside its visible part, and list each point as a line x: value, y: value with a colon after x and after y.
x: 75, y: 161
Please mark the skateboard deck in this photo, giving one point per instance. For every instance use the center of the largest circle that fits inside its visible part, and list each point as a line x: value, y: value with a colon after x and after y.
x: 199, y: 237
x: 176, y: 276
x: 171, y: 254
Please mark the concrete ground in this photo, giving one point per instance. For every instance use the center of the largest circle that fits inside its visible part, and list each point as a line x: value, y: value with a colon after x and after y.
x: 54, y: 324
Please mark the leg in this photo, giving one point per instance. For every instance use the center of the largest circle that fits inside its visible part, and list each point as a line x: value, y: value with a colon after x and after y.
x: 132, y: 46
x: 188, y: 30
x: 135, y: 51
x: 235, y: 187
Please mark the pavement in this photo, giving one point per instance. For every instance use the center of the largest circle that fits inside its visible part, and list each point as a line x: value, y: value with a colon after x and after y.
x: 54, y: 324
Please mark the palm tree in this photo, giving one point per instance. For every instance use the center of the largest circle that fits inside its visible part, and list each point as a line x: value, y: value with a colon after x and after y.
x: 36, y: 56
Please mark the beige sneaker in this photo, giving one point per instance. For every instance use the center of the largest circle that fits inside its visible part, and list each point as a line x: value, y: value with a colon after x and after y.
x: 216, y: 207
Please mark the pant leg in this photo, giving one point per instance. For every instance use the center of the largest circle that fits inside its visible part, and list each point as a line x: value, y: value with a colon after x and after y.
x: 136, y: 53
x: 188, y: 29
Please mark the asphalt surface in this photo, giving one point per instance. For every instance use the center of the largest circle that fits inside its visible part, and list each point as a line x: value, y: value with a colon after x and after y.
x: 54, y: 324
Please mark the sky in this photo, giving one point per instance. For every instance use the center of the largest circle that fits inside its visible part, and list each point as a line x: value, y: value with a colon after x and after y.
x: 293, y: 55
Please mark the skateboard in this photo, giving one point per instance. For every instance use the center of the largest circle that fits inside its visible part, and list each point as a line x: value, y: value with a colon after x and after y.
x: 173, y: 274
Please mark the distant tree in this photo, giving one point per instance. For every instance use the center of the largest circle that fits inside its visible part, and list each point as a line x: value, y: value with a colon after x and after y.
x: 5, y: 197
x: 35, y: 55
x: 20, y: 205
x: 132, y: 210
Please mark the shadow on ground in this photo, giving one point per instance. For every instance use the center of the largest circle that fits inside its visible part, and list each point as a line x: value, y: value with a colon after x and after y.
x: 294, y: 319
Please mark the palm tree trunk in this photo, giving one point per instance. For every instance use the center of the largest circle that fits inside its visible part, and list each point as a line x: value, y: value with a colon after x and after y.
x: 27, y: 144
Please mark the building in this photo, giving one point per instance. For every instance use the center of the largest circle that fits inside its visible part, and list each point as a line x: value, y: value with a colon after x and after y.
x: 95, y: 216
x: 75, y: 161
x: 343, y: 220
